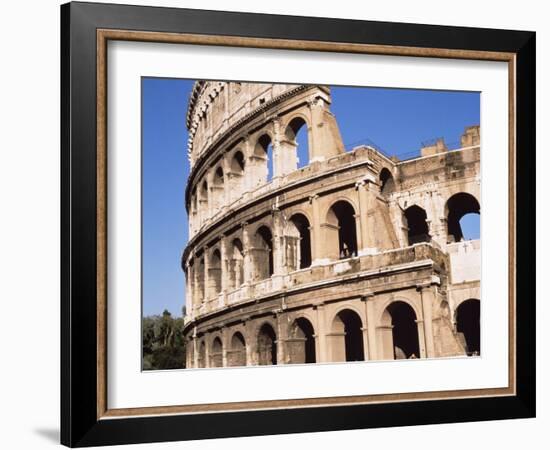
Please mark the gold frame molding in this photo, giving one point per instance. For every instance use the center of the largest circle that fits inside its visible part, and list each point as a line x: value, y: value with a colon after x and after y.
x: 105, y: 35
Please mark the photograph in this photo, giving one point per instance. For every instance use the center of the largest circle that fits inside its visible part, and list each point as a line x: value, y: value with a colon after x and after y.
x: 299, y: 223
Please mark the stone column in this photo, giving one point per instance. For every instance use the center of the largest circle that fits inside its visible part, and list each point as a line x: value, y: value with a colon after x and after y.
x: 207, y: 289
x: 321, y: 350
x: 248, y: 181
x: 206, y: 352
x: 278, y: 244
x: 225, y: 344
x: 224, y: 263
x: 195, y: 349
x: 280, y: 340
x: 371, y: 326
x: 251, y: 343
x: 247, y: 261
x: 367, y: 224
x: 317, y: 255
x: 189, y: 280
x: 421, y: 338
x: 426, y: 298
x: 278, y: 151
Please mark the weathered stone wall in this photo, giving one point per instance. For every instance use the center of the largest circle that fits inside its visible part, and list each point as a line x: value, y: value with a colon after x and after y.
x: 329, y: 262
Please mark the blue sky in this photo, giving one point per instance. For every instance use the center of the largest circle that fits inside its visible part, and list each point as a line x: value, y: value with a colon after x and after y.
x: 396, y: 120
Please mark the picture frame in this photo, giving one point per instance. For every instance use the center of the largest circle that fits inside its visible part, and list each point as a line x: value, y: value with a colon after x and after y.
x: 86, y: 418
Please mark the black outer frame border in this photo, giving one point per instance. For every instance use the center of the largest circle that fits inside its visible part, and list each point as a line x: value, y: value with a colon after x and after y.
x: 79, y: 425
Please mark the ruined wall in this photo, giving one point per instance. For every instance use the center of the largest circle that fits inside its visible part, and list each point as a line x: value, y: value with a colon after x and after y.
x: 320, y: 262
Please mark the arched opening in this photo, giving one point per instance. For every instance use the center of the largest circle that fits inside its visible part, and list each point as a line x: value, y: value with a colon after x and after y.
x: 237, y: 179
x: 264, y: 152
x: 237, y: 163
x: 301, y: 344
x: 467, y: 323
x: 347, y: 335
x: 215, y: 273
x: 202, y: 355
x: 298, y: 242
x: 387, y: 185
x: 218, y: 176
x: 267, y: 346
x: 262, y: 253
x: 418, y: 230
x: 400, y: 332
x: 236, y: 357
x: 296, y: 146
x: 204, y: 201
x: 218, y: 188
x: 341, y: 229
x: 462, y: 217
x: 236, y: 268
x: 216, y: 357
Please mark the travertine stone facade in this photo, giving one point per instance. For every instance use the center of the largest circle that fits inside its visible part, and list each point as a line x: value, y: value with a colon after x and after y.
x: 354, y: 256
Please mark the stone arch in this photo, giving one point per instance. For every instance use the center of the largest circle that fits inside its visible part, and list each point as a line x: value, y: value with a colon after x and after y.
x: 468, y: 325
x: 347, y: 336
x: 387, y: 183
x: 236, y: 175
x: 236, y: 264
x: 267, y: 345
x: 263, y: 159
x: 216, y: 352
x: 416, y: 222
x: 298, y: 242
x: 301, y: 341
x: 215, y: 273
x: 236, y: 356
x: 204, y: 204
x: 398, y: 331
x: 218, y: 187
x: 457, y: 207
x: 341, y: 230
x: 262, y: 253
x: 293, y: 153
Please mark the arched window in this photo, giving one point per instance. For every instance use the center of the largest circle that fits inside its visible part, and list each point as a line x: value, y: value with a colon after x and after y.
x: 236, y: 356
x: 236, y: 268
x: 218, y: 193
x: 267, y: 346
x: 418, y: 230
x: 399, y: 332
x: 262, y: 253
x: 216, y: 356
x: 298, y: 242
x: 387, y: 185
x: 341, y: 229
x: 301, y: 344
x: 236, y: 179
x: 467, y: 323
x: 296, y: 146
x: 462, y: 217
x: 264, y: 152
x: 237, y: 163
x: 347, y: 337
x: 204, y: 201
x: 215, y: 273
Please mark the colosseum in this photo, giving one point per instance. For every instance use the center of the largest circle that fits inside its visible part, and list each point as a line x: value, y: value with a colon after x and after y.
x: 349, y: 256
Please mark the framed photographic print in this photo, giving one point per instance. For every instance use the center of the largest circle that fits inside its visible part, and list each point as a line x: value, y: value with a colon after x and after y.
x: 276, y: 224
